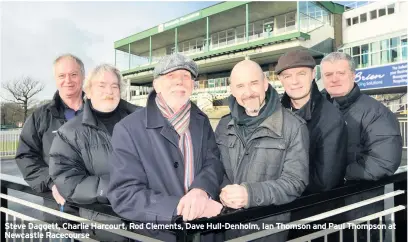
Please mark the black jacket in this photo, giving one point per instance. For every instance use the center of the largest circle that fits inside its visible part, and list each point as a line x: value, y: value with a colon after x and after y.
x: 328, y: 141
x: 79, y: 156
x: 147, y: 167
x: 374, y: 138
x: 35, y: 143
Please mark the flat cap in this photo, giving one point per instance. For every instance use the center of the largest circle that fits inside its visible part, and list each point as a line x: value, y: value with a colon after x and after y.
x: 293, y: 59
x: 175, y: 62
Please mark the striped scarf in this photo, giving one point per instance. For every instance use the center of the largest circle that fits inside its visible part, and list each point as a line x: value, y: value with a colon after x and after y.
x: 180, y: 122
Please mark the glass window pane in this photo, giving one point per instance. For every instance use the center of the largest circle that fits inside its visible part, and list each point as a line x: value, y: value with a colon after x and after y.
x: 364, y: 60
x: 348, y: 21
x: 404, y: 53
x: 355, y: 20
x: 373, y: 14
x: 375, y: 59
x: 404, y: 40
x: 347, y: 51
x: 363, y: 17
x: 356, y: 50
x: 394, y: 42
x: 375, y: 46
x: 381, y: 12
x: 357, y: 61
x: 384, y: 44
x: 394, y: 55
x: 385, y: 57
x: 364, y: 48
x: 391, y: 8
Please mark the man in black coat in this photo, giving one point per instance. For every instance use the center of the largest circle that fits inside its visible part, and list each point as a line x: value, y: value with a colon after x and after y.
x: 327, y: 128
x: 165, y: 161
x: 374, y: 138
x: 39, y: 130
x: 80, y: 151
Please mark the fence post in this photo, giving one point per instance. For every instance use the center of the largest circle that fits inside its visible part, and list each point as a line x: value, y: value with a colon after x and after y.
x: 401, y: 216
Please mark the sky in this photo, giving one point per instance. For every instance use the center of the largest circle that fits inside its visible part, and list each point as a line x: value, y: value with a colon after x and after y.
x: 33, y: 34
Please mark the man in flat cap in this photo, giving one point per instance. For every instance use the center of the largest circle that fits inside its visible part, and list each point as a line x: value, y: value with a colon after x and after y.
x: 165, y: 161
x: 327, y: 128
x: 264, y: 147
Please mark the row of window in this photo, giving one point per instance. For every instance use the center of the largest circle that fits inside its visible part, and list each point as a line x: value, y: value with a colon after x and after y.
x: 379, y: 52
x: 374, y: 14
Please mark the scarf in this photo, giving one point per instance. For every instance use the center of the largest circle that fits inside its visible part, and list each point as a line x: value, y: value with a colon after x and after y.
x: 180, y: 121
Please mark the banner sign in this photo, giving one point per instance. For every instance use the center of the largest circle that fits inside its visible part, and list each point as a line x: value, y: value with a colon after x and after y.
x: 382, y: 77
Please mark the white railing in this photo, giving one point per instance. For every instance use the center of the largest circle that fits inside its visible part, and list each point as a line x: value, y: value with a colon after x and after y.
x: 324, y: 233
x: 9, y: 142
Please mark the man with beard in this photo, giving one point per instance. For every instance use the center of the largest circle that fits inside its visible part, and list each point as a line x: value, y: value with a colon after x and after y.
x: 80, y: 151
x: 327, y: 129
x: 264, y: 147
x: 165, y: 161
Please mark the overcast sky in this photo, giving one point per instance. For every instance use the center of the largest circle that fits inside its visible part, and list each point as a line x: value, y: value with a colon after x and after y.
x: 34, y: 33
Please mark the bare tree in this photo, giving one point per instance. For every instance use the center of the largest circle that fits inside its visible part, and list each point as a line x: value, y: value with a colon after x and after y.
x: 23, y: 90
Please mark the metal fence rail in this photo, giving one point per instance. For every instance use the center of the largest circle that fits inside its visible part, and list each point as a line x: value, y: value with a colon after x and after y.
x: 9, y: 142
x: 241, y: 216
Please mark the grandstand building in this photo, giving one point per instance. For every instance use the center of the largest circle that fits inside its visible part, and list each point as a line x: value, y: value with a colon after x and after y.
x: 375, y: 35
x: 221, y: 35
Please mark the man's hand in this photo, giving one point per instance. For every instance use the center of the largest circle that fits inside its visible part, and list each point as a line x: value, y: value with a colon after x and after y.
x: 192, y: 205
x: 234, y: 196
x: 212, y: 209
x: 60, y: 200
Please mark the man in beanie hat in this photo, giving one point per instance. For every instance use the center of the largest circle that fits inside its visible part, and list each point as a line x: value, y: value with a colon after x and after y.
x: 327, y: 129
x: 165, y: 161
x: 264, y: 148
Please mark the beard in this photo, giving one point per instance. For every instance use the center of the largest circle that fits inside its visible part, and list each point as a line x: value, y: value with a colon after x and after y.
x: 253, y: 104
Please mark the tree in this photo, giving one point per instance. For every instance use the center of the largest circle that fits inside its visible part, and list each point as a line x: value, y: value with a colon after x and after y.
x: 11, y: 113
x: 23, y: 90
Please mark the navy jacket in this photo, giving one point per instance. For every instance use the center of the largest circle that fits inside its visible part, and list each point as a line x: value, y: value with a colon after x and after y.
x: 147, y: 168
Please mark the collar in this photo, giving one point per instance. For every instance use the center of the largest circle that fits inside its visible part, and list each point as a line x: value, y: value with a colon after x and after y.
x: 155, y: 119
x: 347, y: 100
x: 88, y: 117
x: 273, y: 123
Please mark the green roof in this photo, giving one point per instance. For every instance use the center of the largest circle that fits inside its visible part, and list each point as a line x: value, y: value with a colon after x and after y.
x: 203, y: 13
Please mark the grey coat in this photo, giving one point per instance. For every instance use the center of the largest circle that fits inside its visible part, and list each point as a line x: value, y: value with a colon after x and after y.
x: 278, y: 166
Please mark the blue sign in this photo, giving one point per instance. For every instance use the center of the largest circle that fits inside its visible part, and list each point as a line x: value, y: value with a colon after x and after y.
x: 382, y: 77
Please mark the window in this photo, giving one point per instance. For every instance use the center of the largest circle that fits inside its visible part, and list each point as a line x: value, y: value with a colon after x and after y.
x: 391, y: 8
x: 385, y: 56
x: 394, y: 42
x: 373, y: 14
x: 384, y: 44
x: 355, y: 20
x: 381, y: 12
x: 347, y: 51
x: 363, y: 17
x: 357, y: 61
x: 356, y: 50
x: 375, y: 59
x: 348, y: 21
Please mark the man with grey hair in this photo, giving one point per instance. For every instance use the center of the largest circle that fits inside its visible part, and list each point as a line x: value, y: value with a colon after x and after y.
x: 165, y: 161
x: 374, y: 138
x: 80, y: 151
x: 39, y: 130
